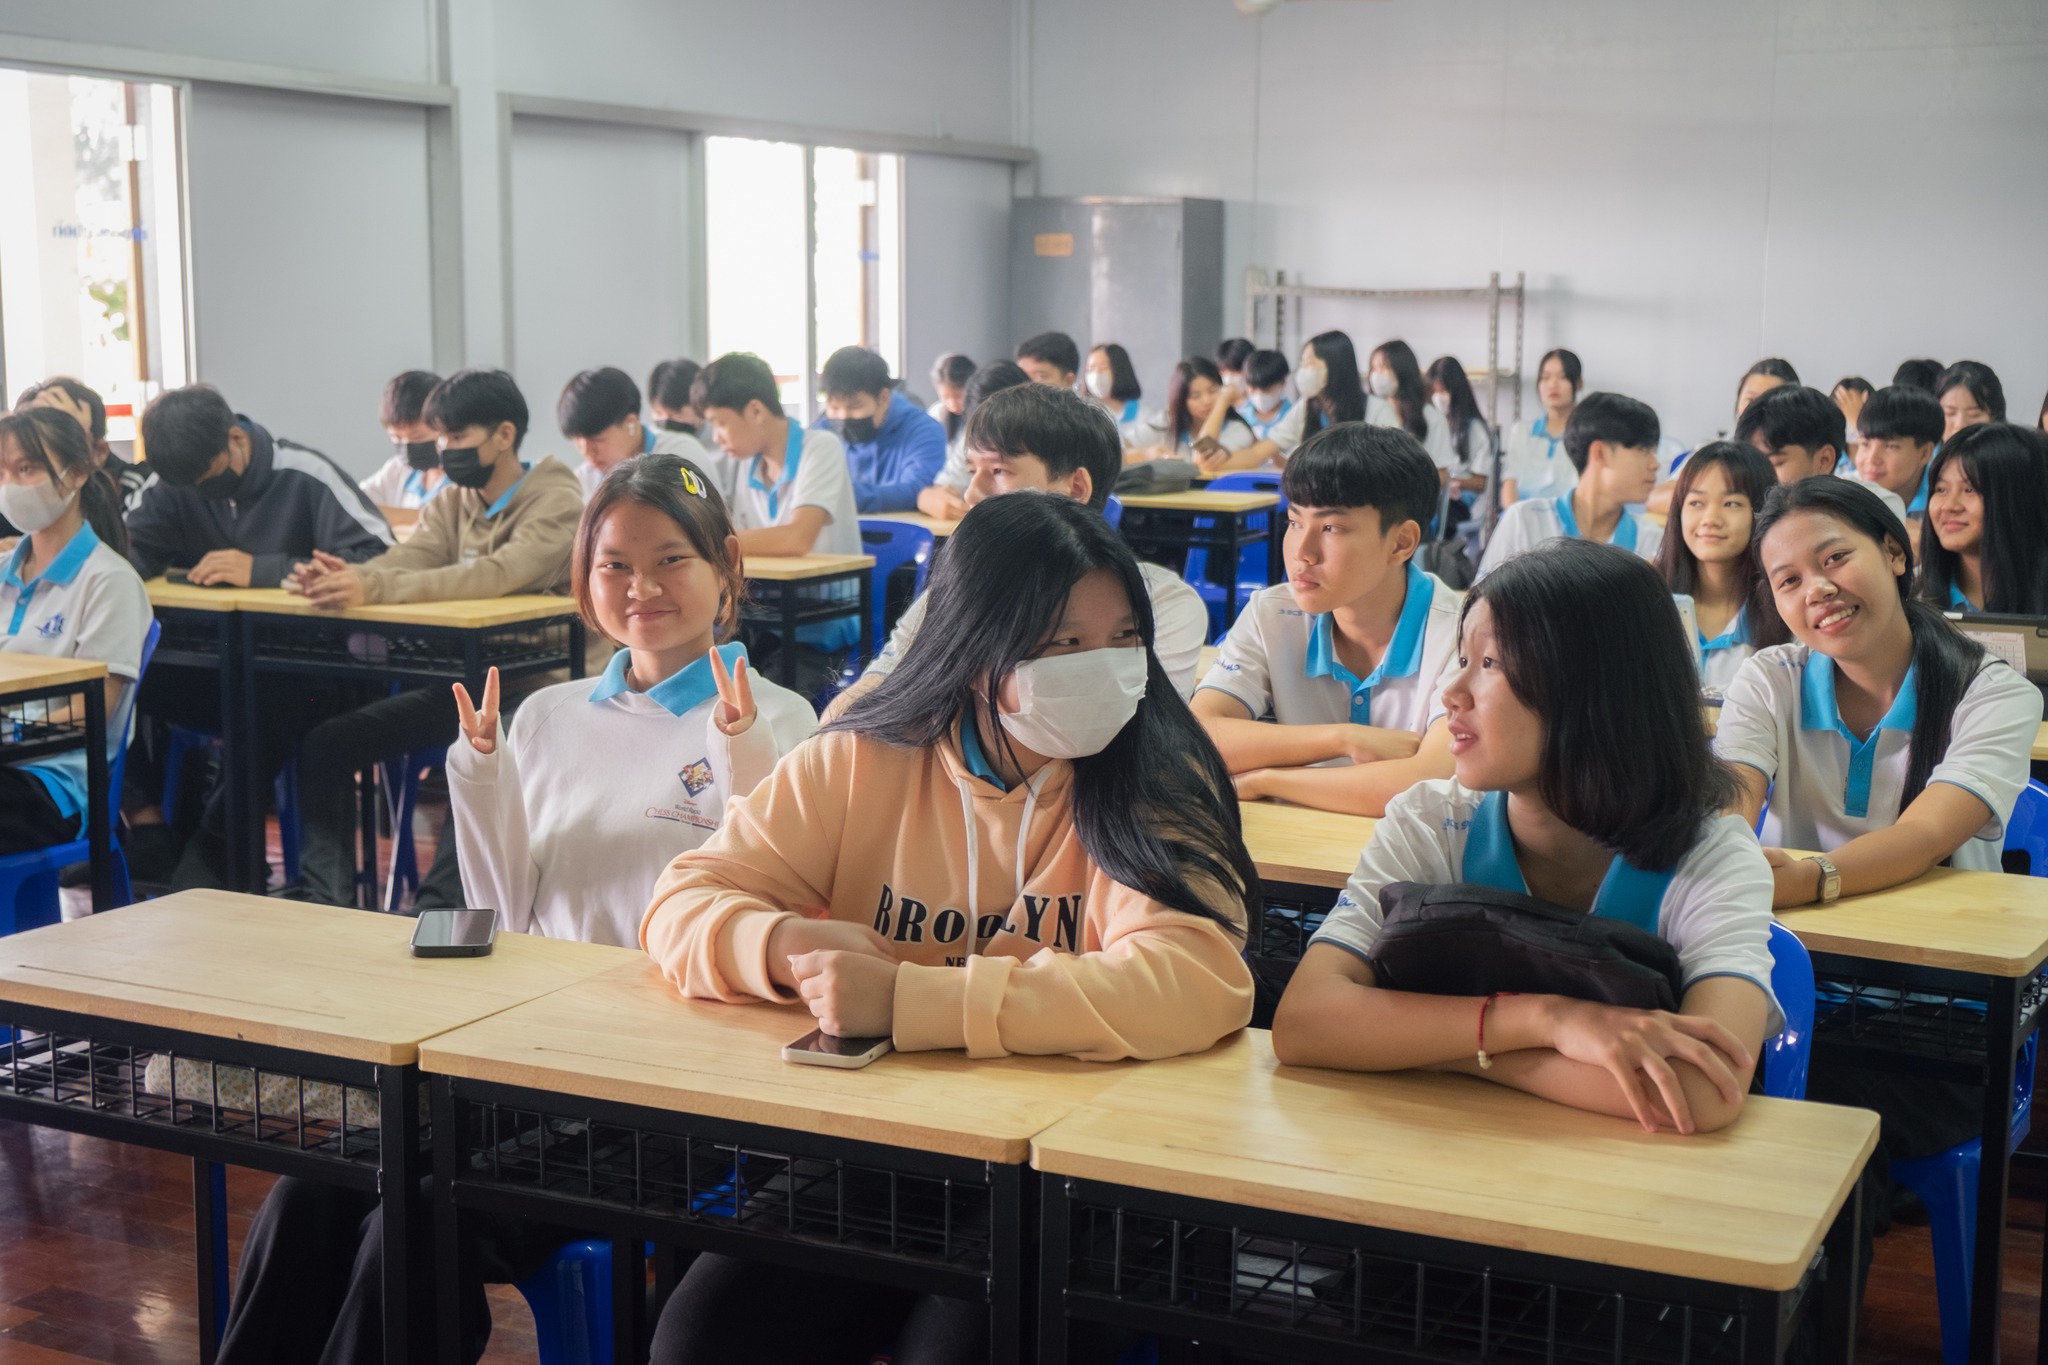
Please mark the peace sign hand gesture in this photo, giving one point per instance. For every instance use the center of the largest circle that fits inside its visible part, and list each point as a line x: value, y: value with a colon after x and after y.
x: 481, y: 727
x: 735, y: 713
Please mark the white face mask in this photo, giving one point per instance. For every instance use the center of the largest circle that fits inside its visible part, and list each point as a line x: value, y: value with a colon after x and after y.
x: 1309, y: 380
x: 1381, y: 382
x: 33, y: 507
x: 1266, y: 402
x: 1442, y: 402
x: 1099, y: 383
x: 1073, y: 705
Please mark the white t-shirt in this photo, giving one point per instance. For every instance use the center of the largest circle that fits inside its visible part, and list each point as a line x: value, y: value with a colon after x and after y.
x: 397, y: 484
x: 1279, y: 659
x: 1715, y: 910
x: 1534, y: 521
x: 1535, y: 460
x: 1180, y: 627
x: 1290, y: 430
x: 1436, y: 439
x: 814, y: 474
x: 1779, y: 715
x: 565, y: 827
x: 87, y: 603
x: 658, y: 442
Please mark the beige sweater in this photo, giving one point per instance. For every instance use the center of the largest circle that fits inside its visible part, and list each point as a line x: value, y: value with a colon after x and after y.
x: 459, y: 551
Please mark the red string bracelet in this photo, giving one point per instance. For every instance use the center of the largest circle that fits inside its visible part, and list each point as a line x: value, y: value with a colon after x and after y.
x: 1486, y: 1062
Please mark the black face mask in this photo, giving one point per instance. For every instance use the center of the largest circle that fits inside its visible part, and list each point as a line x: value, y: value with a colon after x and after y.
x: 673, y: 424
x: 420, y: 454
x: 221, y: 486
x: 463, y: 468
x: 857, y: 431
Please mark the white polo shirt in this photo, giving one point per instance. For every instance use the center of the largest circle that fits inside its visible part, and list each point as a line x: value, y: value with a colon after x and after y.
x: 1714, y: 907
x: 1180, y: 627
x: 1722, y: 657
x: 1436, y: 439
x: 1779, y: 716
x: 1533, y: 521
x: 657, y: 442
x: 814, y: 474
x: 1534, y: 458
x: 1280, y: 660
x: 397, y: 484
x: 87, y: 603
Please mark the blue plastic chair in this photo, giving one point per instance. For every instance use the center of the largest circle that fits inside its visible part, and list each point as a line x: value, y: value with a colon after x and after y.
x: 893, y: 544
x: 183, y: 740
x: 28, y: 881
x: 2027, y: 831
x: 1113, y: 512
x: 1788, y: 1057
x: 1253, y: 561
x: 571, y: 1300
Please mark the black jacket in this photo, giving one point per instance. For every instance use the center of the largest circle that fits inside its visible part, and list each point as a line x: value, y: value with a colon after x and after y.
x: 292, y: 501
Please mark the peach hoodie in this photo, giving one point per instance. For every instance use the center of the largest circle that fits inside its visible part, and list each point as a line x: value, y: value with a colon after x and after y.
x: 1057, y: 959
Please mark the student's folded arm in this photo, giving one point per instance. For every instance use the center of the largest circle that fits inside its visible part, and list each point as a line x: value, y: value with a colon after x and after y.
x: 774, y: 858
x: 798, y: 536
x: 531, y: 557
x: 1246, y: 743
x: 1360, y: 788
x: 1147, y: 982
x: 492, y: 835
x: 1251, y: 457
x: 1941, y: 820
x: 432, y: 544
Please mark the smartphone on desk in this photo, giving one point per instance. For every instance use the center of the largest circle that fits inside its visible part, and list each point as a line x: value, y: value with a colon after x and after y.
x: 819, y: 1048
x: 1208, y: 448
x: 454, y: 933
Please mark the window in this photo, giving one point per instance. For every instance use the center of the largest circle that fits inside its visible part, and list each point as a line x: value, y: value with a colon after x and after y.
x: 764, y: 297
x: 92, y: 258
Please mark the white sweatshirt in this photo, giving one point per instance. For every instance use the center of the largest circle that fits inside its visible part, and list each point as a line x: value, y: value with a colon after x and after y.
x: 564, y: 828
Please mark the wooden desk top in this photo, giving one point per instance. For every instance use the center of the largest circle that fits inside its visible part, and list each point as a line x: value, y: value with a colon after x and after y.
x: 1988, y: 922
x: 1450, y: 1156
x: 1296, y: 844
x: 342, y: 983
x: 184, y: 596
x: 1199, y: 500
x: 477, y: 612
x: 31, y: 672
x: 797, y: 568
x: 626, y: 1036
x: 938, y: 526
x: 2040, y: 754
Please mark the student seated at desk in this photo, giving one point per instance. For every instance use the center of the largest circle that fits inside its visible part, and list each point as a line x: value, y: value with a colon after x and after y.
x: 1804, y: 436
x: 84, y: 404
x: 1022, y: 844
x: 1899, y: 428
x: 1920, y: 373
x: 599, y: 411
x: 1050, y: 358
x: 1849, y: 394
x: 1112, y: 381
x: 668, y: 393
x: 1584, y: 778
x: 950, y: 373
x: 1611, y: 442
x: 1450, y: 391
x: 1232, y: 354
x: 1328, y: 390
x: 1533, y: 463
x: 946, y: 499
x: 1398, y: 396
x: 1260, y: 395
x: 66, y: 592
x: 1981, y: 546
x: 412, y: 475
x: 1348, y: 654
x: 1759, y: 379
x: 501, y: 530
x: 1711, y: 562
x: 1196, y: 416
x: 893, y: 450
x: 1969, y: 393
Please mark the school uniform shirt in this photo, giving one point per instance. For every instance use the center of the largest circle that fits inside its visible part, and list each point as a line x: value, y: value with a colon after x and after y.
x: 1291, y: 430
x: 87, y: 603
x: 814, y: 474
x: 1713, y: 907
x: 656, y: 442
x: 1012, y: 939
x: 397, y: 484
x: 1180, y: 627
x: 1531, y: 522
x: 1436, y: 438
x: 1478, y: 458
x: 1234, y: 436
x: 955, y: 474
x: 1263, y: 425
x: 1534, y: 458
x: 1137, y: 427
x: 1884, y: 495
x: 564, y: 826
x: 907, y: 453
x: 464, y: 547
x: 1779, y: 716
x: 1280, y: 660
x: 1722, y: 657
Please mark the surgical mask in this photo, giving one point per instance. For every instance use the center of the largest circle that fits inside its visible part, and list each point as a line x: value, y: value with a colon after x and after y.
x: 1073, y: 705
x: 420, y: 454
x: 857, y: 431
x: 1442, y: 402
x: 1381, y: 382
x: 33, y: 507
x: 1100, y: 382
x: 463, y: 468
x: 676, y: 424
x: 1309, y: 380
x: 1267, y: 401
x: 221, y: 487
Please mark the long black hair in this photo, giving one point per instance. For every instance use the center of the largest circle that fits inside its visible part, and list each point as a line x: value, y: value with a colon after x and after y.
x: 2008, y: 466
x: 1343, y: 395
x: 63, y: 448
x: 1155, y: 809
x: 1180, y: 424
x: 1749, y: 473
x: 1591, y: 641
x: 1946, y: 660
x: 1411, y: 395
x: 955, y: 369
x: 1447, y: 374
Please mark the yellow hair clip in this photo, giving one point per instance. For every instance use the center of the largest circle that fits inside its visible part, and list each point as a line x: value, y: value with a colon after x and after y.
x: 692, y: 484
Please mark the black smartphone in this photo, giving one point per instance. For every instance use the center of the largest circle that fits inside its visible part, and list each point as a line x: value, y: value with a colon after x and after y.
x: 454, y: 933
x: 1209, y: 447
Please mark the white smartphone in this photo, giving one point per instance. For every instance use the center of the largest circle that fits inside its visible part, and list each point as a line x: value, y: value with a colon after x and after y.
x: 819, y: 1048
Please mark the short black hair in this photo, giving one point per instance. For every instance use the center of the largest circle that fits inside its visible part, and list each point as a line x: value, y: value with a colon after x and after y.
x: 669, y: 385
x: 1791, y: 415
x: 1054, y: 348
x: 1567, y: 361
x: 1980, y: 380
x: 854, y: 369
x: 953, y: 368
x: 1232, y: 352
x: 1854, y: 383
x: 405, y: 397
x: 183, y: 430
x: 1611, y: 417
x: 1900, y: 410
x: 597, y: 400
x: 1918, y: 374
x: 477, y: 398
x: 1353, y: 464
x: 1057, y: 426
x: 734, y: 380
x: 991, y: 378
x: 1264, y: 369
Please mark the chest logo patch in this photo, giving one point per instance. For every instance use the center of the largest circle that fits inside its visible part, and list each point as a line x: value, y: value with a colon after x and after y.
x: 696, y: 776
x: 52, y: 628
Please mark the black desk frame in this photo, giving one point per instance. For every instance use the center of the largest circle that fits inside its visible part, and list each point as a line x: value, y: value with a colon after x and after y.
x: 1151, y: 530
x: 785, y: 604
x: 57, y: 737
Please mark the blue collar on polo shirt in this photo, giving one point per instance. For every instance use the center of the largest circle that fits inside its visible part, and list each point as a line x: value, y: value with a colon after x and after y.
x: 1130, y: 412
x: 1736, y: 634
x: 1402, y: 659
x: 974, y: 757
x: 679, y: 693
x: 1819, y: 710
x: 1627, y: 893
x: 1957, y: 600
x: 61, y: 570
x: 1917, y: 504
x: 646, y: 440
x: 506, y: 496
x: 792, y: 453
x: 1624, y: 530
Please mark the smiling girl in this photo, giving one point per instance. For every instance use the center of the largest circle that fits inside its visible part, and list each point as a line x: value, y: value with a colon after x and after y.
x: 1987, y: 520
x: 1712, y: 561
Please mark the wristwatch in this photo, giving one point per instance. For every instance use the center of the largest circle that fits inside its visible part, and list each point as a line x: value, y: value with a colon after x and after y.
x: 1830, y: 879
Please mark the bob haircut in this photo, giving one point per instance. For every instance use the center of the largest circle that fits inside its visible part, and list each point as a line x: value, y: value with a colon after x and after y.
x: 1793, y: 416
x: 1056, y: 349
x: 1264, y: 369
x: 1568, y: 361
x: 63, y: 450
x: 1981, y: 382
x: 1180, y: 424
x: 405, y: 397
x: 1343, y: 395
x: 2008, y: 466
x: 680, y: 491
x: 183, y: 430
x: 1354, y: 464
x: 991, y: 378
x: 1155, y: 809
x: 1749, y: 473
x: 734, y: 380
x: 1946, y: 659
x: 1411, y: 393
x: 1123, y: 376
x: 1611, y: 417
x: 1900, y: 410
x: 1057, y: 427
x: 1917, y: 374
x: 1591, y: 641
x: 477, y: 398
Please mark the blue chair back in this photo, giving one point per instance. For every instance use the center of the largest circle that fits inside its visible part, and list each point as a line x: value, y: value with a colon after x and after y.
x: 1113, y: 512
x: 1248, y: 481
x: 2027, y: 831
x: 1253, y: 561
x: 893, y: 544
x: 1787, y: 1057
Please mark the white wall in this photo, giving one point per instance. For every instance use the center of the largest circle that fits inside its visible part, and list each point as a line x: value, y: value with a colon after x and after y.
x: 1689, y: 186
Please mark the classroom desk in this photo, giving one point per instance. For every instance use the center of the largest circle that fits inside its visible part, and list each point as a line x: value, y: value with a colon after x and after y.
x: 616, y: 1105
x: 799, y: 591
x: 2040, y: 750
x: 1318, y: 1215
x: 1301, y: 847
x: 940, y: 527
x: 29, y: 679
x: 310, y: 996
x: 1167, y: 521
